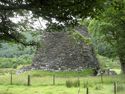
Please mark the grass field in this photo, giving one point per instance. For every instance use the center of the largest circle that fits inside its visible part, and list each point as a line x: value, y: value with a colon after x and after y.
x: 42, y: 83
x: 14, y: 89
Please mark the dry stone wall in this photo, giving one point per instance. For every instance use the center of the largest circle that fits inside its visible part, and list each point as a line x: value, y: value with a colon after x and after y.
x: 60, y: 52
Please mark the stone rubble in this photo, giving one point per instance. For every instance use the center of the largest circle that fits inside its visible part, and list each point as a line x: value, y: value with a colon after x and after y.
x: 59, y: 52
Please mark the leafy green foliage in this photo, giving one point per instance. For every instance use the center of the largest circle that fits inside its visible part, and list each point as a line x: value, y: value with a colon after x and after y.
x: 70, y: 83
x: 77, y: 37
x: 99, y: 40
x: 120, y: 87
x: 58, y: 13
x: 14, y: 50
x: 112, y: 23
x: 15, y: 62
x: 107, y: 63
x: 76, y: 83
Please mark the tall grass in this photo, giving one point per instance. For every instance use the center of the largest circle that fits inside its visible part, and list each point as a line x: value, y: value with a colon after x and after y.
x: 43, y: 84
x: 46, y: 78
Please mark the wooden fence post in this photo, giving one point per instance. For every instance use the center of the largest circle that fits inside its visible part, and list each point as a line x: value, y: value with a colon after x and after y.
x: 28, y: 80
x: 87, y: 90
x: 115, y: 88
x: 101, y: 77
x: 53, y: 79
x: 11, y: 78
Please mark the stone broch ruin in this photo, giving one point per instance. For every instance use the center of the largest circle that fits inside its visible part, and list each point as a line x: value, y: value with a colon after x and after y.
x: 60, y: 52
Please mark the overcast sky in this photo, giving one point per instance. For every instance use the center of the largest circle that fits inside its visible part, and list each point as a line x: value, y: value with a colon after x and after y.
x: 37, y: 23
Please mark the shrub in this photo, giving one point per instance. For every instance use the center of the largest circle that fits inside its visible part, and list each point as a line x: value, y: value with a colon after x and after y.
x: 76, y: 83
x: 120, y: 87
x: 98, y: 87
x: 85, y: 85
x: 69, y: 83
x: 6, y: 65
x: 14, y: 62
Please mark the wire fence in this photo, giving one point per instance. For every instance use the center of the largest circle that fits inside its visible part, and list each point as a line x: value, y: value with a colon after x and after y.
x: 85, y: 82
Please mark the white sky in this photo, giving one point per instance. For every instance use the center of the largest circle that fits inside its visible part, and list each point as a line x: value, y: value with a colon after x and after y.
x: 38, y: 23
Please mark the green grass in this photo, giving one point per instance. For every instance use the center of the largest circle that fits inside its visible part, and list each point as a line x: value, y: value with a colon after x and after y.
x: 42, y: 81
x: 40, y: 77
x: 14, y: 89
x: 43, y: 84
x: 40, y: 73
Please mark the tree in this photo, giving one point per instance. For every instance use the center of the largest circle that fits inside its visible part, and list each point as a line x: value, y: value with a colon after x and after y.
x: 65, y: 12
x: 112, y: 25
x: 102, y: 46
